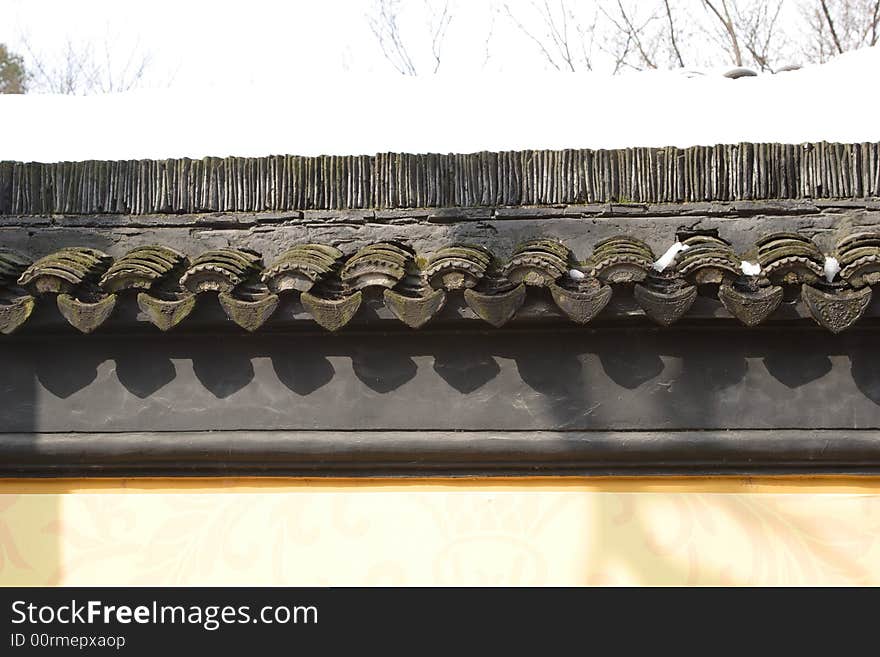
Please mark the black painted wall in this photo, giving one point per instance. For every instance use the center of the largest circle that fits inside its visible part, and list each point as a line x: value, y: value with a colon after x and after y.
x: 553, y: 378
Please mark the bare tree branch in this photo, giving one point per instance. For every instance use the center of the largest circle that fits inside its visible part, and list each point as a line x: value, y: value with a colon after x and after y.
x: 557, y: 45
x: 724, y: 17
x: 630, y: 34
x: 384, y: 22
x: 837, y: 26
x: 875, y: 23
x: 633, y: 33
x: 438, y: 25
x: 79, y: 70
x: 757, y: 26
x: 487, y: 52
x: 621, y: 56
x: 560, y: 39
x: 384, y: 26
x: 830, y: 21
x: 586, y: 36
x: 672, y: 39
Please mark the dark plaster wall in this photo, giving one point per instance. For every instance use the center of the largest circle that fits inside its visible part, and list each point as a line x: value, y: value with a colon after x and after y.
x: 553, y: 378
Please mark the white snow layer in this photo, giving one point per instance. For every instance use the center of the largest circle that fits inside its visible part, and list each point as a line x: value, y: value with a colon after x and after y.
x: 667, y: 258
x: 832, y: 267
x: 750, y: 268
x: 371, y: 114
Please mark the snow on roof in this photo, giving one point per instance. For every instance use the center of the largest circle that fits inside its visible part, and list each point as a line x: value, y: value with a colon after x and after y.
x: 352, y: 115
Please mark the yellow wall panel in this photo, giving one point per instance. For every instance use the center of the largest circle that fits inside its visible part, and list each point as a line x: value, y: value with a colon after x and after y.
x: 426, y: 533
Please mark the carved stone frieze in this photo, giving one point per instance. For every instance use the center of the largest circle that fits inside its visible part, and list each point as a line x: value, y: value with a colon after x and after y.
x: 416, y: 288
x: 665, y: 298
x: 750, y: 303
x: 332, y: 314
x: 168, y: 310
x: 581, y: 300
x: 836, y: 308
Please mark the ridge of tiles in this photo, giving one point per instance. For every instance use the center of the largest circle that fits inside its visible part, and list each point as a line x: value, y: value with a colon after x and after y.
x: 86, y: 283
x: 721, y: 172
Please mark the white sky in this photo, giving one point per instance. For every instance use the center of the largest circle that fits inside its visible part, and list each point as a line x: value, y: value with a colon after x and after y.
x: 196, y: 43
x: 218, y: 42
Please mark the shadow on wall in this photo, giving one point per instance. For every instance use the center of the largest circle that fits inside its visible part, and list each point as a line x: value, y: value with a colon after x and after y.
x: 553, y: 379
x: 29, y: 524
x: 711, y: 539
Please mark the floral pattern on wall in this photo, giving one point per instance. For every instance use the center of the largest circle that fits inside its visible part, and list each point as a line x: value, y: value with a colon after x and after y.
x: 462, y: 536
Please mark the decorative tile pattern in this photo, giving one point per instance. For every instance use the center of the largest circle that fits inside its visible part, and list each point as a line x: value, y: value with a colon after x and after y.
x: 85, y: 282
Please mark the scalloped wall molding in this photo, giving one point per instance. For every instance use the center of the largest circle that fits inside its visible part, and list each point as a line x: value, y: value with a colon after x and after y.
x: 331, y: 285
